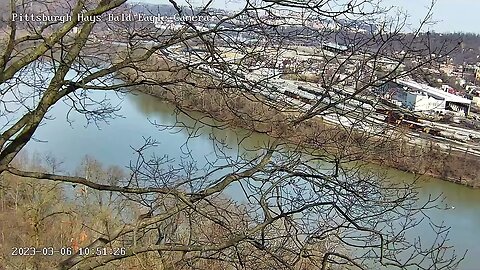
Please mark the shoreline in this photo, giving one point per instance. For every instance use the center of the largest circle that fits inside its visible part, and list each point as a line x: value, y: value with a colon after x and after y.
x: 428, y: 162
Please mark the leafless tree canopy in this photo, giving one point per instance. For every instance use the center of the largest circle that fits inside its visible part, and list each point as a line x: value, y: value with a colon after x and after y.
x: 308, y: 202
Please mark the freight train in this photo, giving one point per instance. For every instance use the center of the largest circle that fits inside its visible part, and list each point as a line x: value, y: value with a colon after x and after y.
x: 393, y: 117
x: 409, y: 121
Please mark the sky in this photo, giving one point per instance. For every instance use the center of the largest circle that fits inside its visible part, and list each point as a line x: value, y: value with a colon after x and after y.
x: 449, y: 15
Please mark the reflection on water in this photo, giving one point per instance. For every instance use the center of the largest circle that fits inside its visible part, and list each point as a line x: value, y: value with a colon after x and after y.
x: 111, y: 143
x: 165, y: 114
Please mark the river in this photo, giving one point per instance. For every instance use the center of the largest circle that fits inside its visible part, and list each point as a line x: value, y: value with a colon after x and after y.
x: 112, y: 142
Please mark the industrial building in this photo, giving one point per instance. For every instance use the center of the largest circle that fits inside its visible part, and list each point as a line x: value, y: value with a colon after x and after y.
x: 423, y: 98
x: 335, y: 48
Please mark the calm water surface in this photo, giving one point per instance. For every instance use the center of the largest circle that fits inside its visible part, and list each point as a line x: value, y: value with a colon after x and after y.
x: 112, y: 144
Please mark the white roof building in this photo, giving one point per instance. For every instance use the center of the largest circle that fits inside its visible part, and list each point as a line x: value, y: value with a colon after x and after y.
x: 434, y: 92
x: 422, y: 97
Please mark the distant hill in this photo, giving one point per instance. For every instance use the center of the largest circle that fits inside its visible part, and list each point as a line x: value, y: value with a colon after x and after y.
x: 468, y: 46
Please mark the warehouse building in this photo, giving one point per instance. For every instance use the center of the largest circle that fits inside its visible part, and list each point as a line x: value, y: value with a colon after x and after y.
x: 423, y: 98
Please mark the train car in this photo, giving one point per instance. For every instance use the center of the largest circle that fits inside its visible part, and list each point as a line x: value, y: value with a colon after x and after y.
x: 291, y: 94
x: 406, y: 120
x: 299, y: 97
x: 301, y: 88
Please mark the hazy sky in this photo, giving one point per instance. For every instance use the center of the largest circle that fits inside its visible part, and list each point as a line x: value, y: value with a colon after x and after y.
x: 450, y: 15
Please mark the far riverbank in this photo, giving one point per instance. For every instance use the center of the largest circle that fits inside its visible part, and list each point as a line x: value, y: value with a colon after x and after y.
x: 251, y: 113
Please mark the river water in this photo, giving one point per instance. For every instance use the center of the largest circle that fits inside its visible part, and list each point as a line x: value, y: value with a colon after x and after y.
x: 112, y: 142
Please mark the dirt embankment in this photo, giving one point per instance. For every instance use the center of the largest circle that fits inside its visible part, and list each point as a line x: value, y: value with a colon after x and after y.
x: 252, y: 112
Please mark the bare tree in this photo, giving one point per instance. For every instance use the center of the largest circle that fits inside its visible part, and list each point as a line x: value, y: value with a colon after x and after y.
x: 279, y: 67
